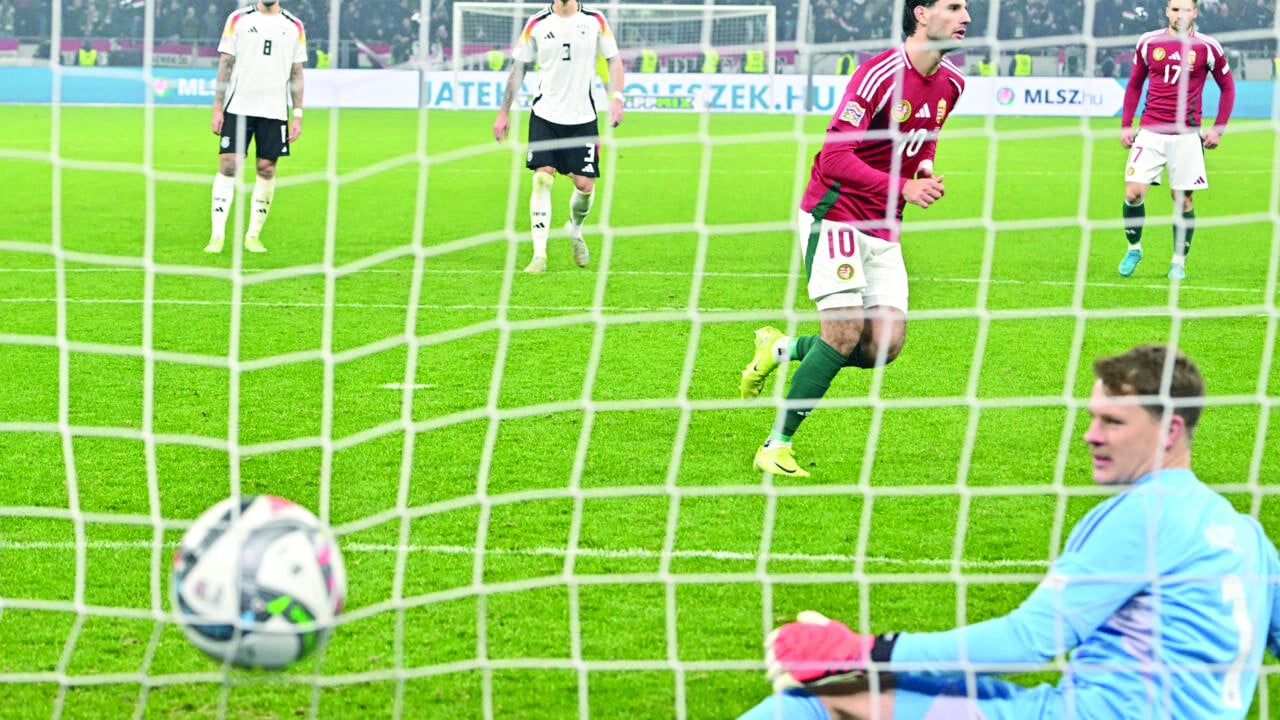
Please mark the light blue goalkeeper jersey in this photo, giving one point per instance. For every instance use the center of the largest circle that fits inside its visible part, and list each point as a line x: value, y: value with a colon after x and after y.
x: 1168, y: 595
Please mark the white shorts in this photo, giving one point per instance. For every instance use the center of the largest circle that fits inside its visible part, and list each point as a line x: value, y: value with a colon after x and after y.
x: 1182, y: 153
x: 848, y: 268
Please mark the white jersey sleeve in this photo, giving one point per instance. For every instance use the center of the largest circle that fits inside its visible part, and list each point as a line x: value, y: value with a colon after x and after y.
x: 526, y: 49
x: 300, y: 50
x: 227, y: 45
x: 607, y: 45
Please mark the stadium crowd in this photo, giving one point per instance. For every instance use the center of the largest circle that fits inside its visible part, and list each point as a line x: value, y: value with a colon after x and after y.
x: 395, y: 22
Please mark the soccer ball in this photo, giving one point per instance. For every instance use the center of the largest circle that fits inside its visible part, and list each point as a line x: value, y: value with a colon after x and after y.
x: 258, y: 582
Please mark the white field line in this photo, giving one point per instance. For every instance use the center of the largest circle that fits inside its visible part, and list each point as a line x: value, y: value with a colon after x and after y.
x: 670, y: 273
x: 504, y: 171
x: 629, y: 553
x: 612, y: 272
x: 641, y: 273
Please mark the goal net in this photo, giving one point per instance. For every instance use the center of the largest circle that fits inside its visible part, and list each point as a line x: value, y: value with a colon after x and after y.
x: 652, y: 38
x: 542, y: 484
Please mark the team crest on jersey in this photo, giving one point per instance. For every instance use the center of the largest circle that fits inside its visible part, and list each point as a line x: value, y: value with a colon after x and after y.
x: 853, y: 113
x: 902, y: 110
x: 845, y: 272
x: 582, y: 31
x: 942, y: 110
x: 1191, y: 57
x: 1157, y: 54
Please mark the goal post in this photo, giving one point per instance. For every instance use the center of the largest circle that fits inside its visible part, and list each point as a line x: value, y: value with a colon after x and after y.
x: 680, y: 36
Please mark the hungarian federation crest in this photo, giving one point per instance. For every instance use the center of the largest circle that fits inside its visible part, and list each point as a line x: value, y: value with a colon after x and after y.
x: 902, y: 110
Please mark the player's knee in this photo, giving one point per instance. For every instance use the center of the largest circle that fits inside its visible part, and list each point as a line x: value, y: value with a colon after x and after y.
x: 266, y: 170
x: 1134, y: 196
x: 867, y: 353
x: 227, y: 165
x: 585, y: 185
x: 543, y: 180
x: 842, y: 337
x: 892, y: 349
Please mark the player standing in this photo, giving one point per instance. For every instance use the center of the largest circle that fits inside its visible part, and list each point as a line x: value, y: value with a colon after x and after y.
x: 1177, y: 60
x: 563, y: 40
x: 1166, y: 593
x: 878, y: 155
x: 263, y: 49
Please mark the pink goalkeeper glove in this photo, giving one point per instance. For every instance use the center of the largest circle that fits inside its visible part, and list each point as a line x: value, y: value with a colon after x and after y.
x: 817, y: 650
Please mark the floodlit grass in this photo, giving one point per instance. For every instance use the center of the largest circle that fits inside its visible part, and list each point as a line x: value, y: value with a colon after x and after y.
x: 558, y: 515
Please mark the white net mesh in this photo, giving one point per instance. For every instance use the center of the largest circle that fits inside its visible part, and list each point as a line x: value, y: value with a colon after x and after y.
x: 542, y: 484
x: 678, y: 35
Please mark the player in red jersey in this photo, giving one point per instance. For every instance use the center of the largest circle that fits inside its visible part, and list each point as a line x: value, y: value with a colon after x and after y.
x: 878, y: 156
x: 1176, y: 60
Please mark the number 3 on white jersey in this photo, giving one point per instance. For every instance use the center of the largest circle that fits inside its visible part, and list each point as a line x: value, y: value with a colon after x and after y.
x: 1233, y: 595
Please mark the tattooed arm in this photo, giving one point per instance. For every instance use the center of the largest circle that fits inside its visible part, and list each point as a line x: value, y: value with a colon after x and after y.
x: 225, y: 65
x: 295, y: 87
x: 514, y: 82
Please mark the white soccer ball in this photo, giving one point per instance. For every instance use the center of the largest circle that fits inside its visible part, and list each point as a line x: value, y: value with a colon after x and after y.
x: 258, y: 581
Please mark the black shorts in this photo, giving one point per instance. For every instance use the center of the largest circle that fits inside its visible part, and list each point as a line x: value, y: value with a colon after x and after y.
x: 270, y: 137
x: 570, y: 149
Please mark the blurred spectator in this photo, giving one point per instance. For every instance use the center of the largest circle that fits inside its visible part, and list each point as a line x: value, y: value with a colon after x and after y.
x: 831, y: 22
x: 213, y: 20
x: 403, y: 43
x: 191, y: 26
x: 1107, y: 65
x: 8, y: 13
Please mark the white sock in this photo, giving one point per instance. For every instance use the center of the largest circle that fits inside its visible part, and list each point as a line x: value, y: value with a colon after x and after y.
x: 263, y: 191
x: 580, y: 205
x: 224, y: 191
x: 782, y: 349
x: 540, y: 212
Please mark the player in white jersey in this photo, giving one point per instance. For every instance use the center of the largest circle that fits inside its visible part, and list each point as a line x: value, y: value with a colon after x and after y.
x: 263, y: 49
x: 564, y: 40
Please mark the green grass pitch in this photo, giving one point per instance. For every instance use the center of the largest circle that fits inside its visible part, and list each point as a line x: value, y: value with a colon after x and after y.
x: 582, y: 428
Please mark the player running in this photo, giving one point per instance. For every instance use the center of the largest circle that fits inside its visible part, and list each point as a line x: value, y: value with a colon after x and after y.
x: 877, y: 157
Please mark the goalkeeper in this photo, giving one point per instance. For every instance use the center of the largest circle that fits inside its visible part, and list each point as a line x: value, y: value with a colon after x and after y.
x: 1167, y: 595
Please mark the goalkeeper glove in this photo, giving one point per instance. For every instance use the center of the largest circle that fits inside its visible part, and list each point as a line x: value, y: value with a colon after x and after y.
x: 816, y: 650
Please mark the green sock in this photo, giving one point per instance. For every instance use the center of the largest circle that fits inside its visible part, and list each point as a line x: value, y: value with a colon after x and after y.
x: 1183, y: 249
x: 1134, y: 215
x: 801, y: 345
x: 810, y: 382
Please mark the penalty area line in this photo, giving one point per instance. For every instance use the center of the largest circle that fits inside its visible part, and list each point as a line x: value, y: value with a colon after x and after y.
x: 604, y: 553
